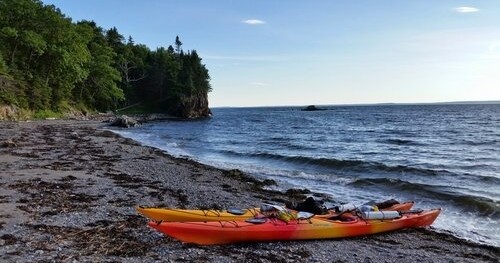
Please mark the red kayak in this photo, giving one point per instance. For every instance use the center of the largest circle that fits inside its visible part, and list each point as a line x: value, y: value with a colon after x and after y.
x: 273, y: 229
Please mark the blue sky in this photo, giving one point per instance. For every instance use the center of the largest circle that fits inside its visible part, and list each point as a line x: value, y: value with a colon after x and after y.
x: 290, y: 52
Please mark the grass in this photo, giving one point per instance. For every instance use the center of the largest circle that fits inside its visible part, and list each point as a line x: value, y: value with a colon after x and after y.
x: 44, y: 114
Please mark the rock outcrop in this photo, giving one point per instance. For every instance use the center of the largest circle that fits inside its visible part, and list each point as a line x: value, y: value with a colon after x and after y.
x: 193, y: 107
x: 124, y: 121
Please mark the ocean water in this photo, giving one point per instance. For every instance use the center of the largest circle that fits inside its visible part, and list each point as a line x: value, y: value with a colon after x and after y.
x: 437, y: 155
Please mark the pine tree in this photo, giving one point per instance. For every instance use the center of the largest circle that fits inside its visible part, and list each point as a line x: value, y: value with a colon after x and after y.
x: 178, y: 45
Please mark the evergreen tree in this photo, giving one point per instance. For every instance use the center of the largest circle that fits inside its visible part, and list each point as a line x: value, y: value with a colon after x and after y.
x: 170, y: 49
x: 178, y: 45
x: 59, y: 64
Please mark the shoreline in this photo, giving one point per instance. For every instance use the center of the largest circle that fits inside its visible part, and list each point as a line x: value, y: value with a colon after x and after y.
x: 69, y: 188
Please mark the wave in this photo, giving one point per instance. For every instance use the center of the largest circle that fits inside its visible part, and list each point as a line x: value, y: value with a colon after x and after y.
x: 401, y: 142
x: 341, y: 164
x: 482, y: 205
x: 489, y: 179
x: 491, y: 142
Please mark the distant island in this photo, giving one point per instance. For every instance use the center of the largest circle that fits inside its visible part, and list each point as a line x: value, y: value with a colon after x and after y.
x: 51, y: 66
x: 311, y: 108
x: 325, y: 106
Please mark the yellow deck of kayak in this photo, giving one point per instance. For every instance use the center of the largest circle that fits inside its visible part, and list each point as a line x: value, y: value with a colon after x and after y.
x: 182, y: 215
x: 193, y: 215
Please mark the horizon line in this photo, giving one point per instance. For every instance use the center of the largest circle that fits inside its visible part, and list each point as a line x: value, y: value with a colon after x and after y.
x: 371, y: 104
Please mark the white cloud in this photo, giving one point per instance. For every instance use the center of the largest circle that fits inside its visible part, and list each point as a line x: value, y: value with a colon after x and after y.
x: 253, y: 22
x: 466, y: 9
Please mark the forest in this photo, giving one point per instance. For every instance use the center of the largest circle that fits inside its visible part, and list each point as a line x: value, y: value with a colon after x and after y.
x: 51, y: 65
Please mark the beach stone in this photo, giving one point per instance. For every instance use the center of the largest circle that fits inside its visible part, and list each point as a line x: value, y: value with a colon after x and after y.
x: 9, y: 143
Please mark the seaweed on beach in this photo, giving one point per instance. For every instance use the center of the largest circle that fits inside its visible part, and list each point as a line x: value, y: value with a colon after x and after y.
x: 59, y: 197
x: 8, y: 239
x: 253, y: 252
x: 4, y: 199
x: 112, y: 238
x: 124, y: 179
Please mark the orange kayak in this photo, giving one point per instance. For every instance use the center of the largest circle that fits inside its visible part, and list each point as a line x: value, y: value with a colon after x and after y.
x: 272, y: 229
x: 193, y: 215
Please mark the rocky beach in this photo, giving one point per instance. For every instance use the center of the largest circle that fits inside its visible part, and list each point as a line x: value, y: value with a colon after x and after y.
x: 69, y: 188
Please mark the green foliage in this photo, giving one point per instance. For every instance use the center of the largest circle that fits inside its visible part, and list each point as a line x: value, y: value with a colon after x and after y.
x: 63, y: 64
x: 100, y: 88
x: 12, y: 92
x: 45, y: 114
x: 8, y: 97
x: 3, y: 66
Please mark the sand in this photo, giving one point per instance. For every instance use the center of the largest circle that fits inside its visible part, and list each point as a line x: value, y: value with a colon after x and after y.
x: 69, y: 188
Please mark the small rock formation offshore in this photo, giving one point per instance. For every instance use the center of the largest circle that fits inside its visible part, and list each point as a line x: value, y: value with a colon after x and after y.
x: 311, y: 108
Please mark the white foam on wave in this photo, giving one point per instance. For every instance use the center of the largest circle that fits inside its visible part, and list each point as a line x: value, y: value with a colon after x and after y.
x: 152, y: 140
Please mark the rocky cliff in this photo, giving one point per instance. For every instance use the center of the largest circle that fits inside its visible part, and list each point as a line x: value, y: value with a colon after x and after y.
x: 193, y: 107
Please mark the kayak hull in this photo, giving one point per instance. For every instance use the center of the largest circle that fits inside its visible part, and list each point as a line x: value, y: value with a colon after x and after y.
x: 228, y: 232
x: 187, y: 215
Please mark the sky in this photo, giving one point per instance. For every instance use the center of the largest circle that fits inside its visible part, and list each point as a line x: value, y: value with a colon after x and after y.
x: 291, y: 52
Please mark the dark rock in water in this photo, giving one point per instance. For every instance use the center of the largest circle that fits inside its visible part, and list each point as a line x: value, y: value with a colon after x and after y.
x: 297, y: 193
x: 125, y: 122
x: 311, y: 108
x: 239, y: 175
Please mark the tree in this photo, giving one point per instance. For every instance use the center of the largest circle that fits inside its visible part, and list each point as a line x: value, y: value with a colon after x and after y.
x: 57, y: 64
x: 3, y: 66
x: 178, y: 45
x: 99, y: 90
x: 129, y: 61
x: 42, y: 43
x: 114, y: 39
x: 170, y: 49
